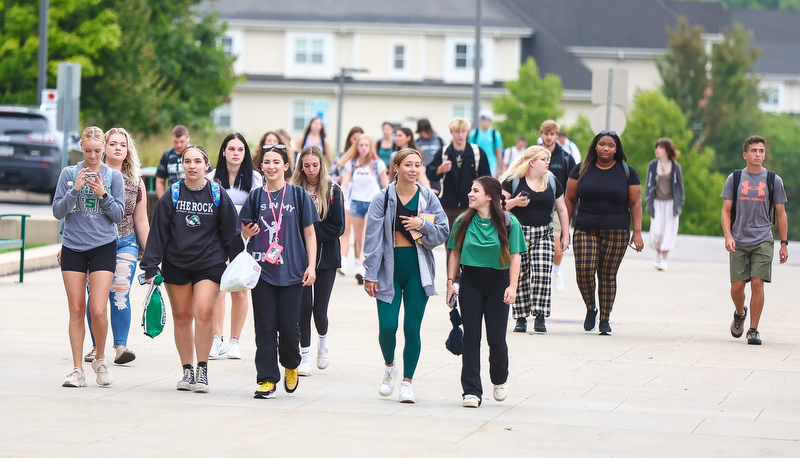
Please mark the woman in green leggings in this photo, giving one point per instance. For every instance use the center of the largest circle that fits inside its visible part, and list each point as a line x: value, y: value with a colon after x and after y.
x: 405, y: 223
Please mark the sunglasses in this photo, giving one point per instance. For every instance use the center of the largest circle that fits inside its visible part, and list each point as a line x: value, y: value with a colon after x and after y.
x: 268, y: 148
x: 605, y: 132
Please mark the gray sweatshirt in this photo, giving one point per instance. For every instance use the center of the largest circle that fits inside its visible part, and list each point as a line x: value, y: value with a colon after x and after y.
x: 379, y: 240
x: 89, y: 221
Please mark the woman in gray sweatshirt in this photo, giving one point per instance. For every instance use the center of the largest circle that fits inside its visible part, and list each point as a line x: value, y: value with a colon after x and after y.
x: 89, y: 198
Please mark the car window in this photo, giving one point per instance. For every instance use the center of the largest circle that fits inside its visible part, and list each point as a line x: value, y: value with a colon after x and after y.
x: 16, y: 124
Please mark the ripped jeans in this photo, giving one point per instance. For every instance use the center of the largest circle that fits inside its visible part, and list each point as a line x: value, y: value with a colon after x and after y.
x: 119, y: 296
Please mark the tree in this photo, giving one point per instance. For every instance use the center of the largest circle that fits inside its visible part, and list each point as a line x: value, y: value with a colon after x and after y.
x: 732, y: 111
x: 792, y: 5
x: 782, y: 133
x: 79, y: 31
x: 683, y: 70
x: 655, y: 116
x: 530, y: 101
x: 581, y: 133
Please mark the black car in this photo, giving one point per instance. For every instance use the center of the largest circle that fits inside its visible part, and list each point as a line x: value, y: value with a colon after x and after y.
x: 30, y: 156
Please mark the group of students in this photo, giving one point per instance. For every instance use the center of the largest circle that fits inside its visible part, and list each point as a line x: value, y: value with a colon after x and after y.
x: 501, y: 245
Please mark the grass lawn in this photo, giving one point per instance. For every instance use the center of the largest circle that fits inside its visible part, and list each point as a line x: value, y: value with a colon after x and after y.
x: 27, y: 247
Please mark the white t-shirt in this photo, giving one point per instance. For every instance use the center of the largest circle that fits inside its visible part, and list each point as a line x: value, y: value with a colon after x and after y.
x: 511, y: 154
x: 364, y: 184
x: 239, y: 196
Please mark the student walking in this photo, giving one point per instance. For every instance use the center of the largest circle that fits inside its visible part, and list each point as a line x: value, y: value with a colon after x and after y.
x: 120, y: 154
x: 89, y: 197
x: 279, y: 219
x: 664, y: 196
x: 235, y: 174
x: 329, y: 203
x: 486, y: 243
x: 536, y: 196
x: 406, y: 222
x: 609, y: 196
x: 190, y: 237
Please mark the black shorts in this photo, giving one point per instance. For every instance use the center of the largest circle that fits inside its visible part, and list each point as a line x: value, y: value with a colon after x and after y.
x: 176, y: 276
x: 101, y: 258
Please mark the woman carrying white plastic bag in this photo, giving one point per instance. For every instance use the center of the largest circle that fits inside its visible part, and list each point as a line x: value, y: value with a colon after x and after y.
x: 242, y: 273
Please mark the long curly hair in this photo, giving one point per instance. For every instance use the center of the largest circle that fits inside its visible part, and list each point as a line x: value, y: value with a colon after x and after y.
x: 497, y: 206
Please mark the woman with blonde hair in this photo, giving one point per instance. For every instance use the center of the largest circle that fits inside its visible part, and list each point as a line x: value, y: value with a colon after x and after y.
x: 406, y: 222
x: 120, y: 154
x: 533, y: 194
x: 90, y: 198
x: 365, y: 176
x: 310, y: 174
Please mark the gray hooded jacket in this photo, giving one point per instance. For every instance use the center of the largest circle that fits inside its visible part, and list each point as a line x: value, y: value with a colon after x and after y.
x: 379, y: 241
x: 676, y: 177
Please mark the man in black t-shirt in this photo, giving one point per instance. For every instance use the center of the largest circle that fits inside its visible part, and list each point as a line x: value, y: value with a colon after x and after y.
x: 170, y: 167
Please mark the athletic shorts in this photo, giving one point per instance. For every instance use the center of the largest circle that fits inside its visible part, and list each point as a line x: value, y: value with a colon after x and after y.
x: 752, y: 261
x: 176, y: 276
x: 102, y: 258
x: 556, y: 226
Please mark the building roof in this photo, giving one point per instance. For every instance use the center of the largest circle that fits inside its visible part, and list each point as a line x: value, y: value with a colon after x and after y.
x: 775, y: 32
x: 436, y: 12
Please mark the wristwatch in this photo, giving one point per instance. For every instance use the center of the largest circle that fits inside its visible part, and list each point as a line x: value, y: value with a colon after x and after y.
x: 785, y: 242
x: 103, y: 197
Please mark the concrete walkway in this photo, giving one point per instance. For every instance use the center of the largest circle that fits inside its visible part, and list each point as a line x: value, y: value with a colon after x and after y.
x: 670, y: 381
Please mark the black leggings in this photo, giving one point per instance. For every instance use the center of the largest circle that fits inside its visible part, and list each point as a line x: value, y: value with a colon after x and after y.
x: 315, y: 300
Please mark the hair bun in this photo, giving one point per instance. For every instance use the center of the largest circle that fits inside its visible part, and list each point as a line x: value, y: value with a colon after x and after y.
x: 503, y: 201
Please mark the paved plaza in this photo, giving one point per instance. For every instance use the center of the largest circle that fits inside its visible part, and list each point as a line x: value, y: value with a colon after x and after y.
x: 669, y: 381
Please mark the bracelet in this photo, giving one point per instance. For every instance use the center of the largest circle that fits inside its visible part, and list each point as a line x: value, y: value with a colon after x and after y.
x: 785, y: 242
x: 450, y: 279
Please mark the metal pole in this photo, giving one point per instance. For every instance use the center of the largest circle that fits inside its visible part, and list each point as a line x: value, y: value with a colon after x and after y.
x: 41, y: 80
x: 339, y: 111
x: 67, y: 107
x: 476, y: 86
x: 610, y: 94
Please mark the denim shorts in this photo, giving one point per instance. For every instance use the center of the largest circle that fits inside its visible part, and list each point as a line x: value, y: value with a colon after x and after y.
x: 358, y: 209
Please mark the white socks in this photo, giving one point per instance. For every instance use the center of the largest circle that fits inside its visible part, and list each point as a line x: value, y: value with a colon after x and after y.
x: 556, y: 269
x: 323, y: 342
x: 305, y: 351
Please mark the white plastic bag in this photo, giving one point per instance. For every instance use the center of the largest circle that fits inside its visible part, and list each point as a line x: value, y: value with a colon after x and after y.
x: 242, y: 273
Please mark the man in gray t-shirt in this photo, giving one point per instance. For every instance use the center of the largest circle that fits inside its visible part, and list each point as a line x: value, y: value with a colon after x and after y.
x: 748, y: 235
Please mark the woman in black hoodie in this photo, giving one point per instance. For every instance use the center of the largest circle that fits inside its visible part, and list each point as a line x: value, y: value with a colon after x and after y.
x: 310, y: 174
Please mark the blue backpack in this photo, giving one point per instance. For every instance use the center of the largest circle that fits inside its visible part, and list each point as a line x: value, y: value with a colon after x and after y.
x: 176, y: 192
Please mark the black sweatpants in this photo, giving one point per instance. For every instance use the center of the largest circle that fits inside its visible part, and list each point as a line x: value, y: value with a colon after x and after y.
x: 276, y: 311
x: 315, y: 302
x: 481, y: 297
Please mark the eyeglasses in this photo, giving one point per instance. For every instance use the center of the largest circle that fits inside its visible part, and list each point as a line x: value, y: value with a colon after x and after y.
x: 608, y: 132
x: 268, y: 148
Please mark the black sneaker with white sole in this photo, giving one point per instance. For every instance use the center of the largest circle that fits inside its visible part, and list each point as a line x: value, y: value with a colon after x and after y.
x: 201, y: 380
x: 187, y: 382
x: 605, y: 328
x: 752, y: 337
x: 590, y: 320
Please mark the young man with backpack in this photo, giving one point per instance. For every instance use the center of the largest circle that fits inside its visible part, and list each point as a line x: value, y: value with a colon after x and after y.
x: 752, y: 197
x: 489, y: 140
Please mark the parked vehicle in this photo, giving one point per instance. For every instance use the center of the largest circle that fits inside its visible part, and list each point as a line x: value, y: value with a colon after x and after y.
x: 30, y: 151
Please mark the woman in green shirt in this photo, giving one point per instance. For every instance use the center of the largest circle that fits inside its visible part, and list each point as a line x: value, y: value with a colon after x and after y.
x: 486, y: 242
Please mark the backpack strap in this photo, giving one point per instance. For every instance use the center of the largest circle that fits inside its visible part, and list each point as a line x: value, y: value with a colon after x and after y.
x: 624, y: 166
x: 175, y: 190
x: 737, y: 177
x: 508, y: 222
x: 476, y: 152
x: 215, y: 192
x: 299, y: 200
x: 385, y: 192
x: 494, y: 139
x: 375, y: 169
x: 552, y: 180
x: 771, y: 189
x: 514, y: 186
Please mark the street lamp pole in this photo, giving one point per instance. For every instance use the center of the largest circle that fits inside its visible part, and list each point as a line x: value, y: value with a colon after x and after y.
x: 343, y: 73
x: 476, y: 86
x: 41, y: 80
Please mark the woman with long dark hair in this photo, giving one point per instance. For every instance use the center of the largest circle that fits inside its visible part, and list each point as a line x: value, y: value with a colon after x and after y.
x: 664, y: 196
x: 486, y: 243
x: 235, y: 174
x: 314, y: 135
x: 608, y: 194
x: 406, y: 222
x: 310, y: 174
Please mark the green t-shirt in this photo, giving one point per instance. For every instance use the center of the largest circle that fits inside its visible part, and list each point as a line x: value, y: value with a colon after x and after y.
x: 482, y: 245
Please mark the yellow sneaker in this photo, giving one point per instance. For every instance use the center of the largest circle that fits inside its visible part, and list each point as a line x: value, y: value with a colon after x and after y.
x: 290, y: 380
x: 266, y: 390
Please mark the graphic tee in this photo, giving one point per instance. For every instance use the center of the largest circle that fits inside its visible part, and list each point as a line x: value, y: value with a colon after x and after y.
x: 753, y: 224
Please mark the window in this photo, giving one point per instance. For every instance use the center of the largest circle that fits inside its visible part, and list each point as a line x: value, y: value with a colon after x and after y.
x: 227, y: 46
x: 310, y: 51
x: 465, y: 55
x: 222, y: 116
x: 303, y: 110
x: 399, y: 57
x: 770, y: 97
x: 462, y: 110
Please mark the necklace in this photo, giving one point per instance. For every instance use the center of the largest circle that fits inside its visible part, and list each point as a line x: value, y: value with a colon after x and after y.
x: 190, y: 188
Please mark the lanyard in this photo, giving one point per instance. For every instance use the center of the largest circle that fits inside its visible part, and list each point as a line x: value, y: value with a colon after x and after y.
x: 279, y: 218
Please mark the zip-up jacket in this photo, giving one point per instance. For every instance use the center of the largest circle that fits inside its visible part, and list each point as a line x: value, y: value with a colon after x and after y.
x: 678, y: 196
x: 329, y: 254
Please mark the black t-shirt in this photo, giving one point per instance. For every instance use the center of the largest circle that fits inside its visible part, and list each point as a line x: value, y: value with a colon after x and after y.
x: 539, y: 211
x: 603, y: 197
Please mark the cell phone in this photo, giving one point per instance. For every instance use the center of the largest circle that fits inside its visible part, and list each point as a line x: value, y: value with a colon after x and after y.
x: 453, y: 300
x: 524, y: 194
x: 91, y: 176
x: 142, y: 278
x: 247, y: 222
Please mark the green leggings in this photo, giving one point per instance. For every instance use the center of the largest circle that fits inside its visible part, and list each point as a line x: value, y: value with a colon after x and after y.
x: 407, y: 283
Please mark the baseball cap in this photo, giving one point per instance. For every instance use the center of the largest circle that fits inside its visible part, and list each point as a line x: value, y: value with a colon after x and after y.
x: 485, y: 114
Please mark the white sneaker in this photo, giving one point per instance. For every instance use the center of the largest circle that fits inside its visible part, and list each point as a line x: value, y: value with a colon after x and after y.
x: 470, y: 400
x: 406, y: 393
x: 216, y: 346
x: 233, y: 349
x: 558, y: 282
x: 342, y: 270
x: 304, y: 369
x: 100, y: 367
x: 663, y: 266
x: 386, y: 388
x: 323, y: 357
x: 657, y: 264
x: 500, y: 392
x: 76, y: 379
x: 360, y: 273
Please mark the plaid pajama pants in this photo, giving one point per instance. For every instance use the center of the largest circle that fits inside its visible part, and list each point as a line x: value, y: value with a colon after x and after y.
x: 533, y: 290
x: 599, y: 252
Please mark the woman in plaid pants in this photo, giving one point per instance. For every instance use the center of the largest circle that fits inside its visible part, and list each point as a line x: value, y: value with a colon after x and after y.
x: 536, y: 194
x: 608, y: 194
